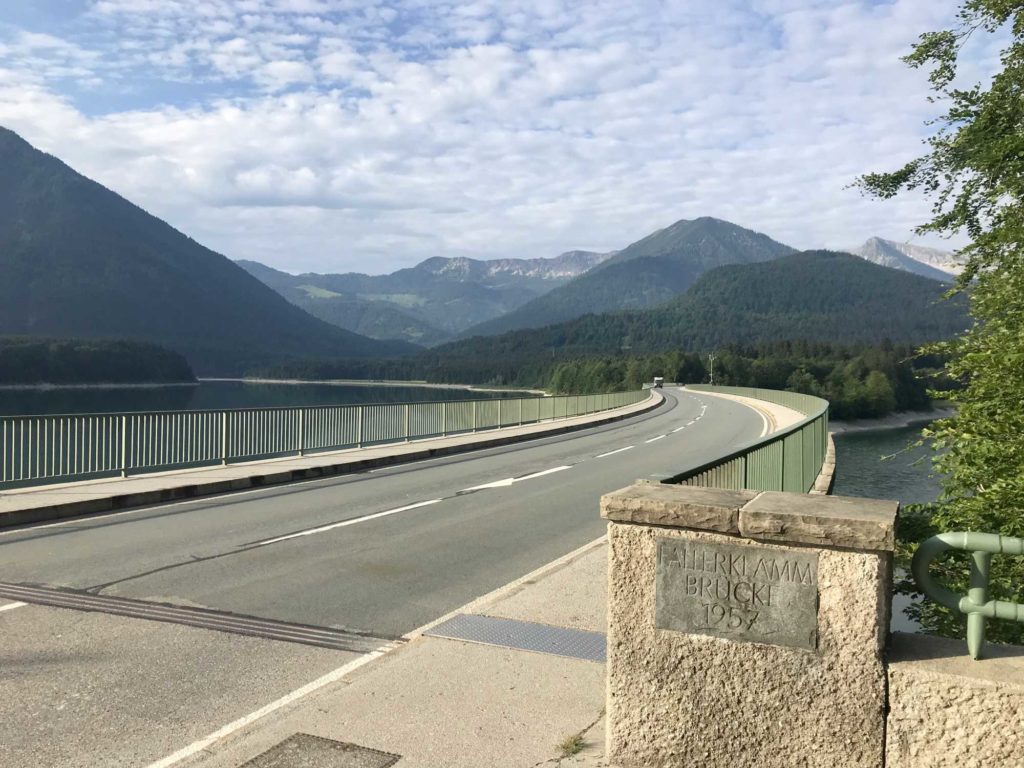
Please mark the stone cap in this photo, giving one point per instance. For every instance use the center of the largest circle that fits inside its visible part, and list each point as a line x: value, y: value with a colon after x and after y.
x: 678, y: 506
x: 831, y: 521
x: 924, y: 656
x: 793, y: 518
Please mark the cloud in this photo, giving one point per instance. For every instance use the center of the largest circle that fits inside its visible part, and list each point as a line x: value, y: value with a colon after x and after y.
x: 334, y: 135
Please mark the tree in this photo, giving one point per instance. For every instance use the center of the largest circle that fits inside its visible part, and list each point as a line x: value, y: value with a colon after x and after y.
x: 973, y: 171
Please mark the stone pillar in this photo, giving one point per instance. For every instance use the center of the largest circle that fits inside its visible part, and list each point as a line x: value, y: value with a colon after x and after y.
x: 746, y: 628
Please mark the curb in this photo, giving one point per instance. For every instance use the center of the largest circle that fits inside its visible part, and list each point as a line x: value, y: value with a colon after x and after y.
x: 270, y: 477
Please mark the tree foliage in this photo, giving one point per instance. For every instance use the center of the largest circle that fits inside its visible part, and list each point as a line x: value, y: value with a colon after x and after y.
x: 973, y: 171
x: 82, y: 361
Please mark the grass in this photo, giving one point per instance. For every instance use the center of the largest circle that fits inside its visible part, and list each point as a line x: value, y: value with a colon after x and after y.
x: 571, y: 745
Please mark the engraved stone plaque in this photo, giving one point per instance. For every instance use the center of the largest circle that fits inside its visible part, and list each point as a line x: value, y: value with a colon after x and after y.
x: 745, y: 593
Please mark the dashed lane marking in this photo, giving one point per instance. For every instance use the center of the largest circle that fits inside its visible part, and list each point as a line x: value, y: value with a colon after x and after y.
x: 346, y: 523
x: 655, y: 438
x: 11, y: 606
x: 612, y: 453
x: 505, y: 483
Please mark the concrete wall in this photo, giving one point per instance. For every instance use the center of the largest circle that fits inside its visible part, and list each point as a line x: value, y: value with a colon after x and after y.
x: 946, y: 709
x: 802, y: 677
x: 689, y: 698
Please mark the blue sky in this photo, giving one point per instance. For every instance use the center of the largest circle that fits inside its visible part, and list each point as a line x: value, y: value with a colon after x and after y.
x: 340, y: 135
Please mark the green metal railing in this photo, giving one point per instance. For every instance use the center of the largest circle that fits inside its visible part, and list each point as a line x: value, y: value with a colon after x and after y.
x: 61, y: 448
x: 787, y: 460
x: 975, y: 604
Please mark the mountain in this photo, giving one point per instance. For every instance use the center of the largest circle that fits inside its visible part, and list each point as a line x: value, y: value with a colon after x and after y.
x: 644, y: 274
x: 809, y: 296
x: 376, y: 319
x: 430, y: 302
x: 927, y: 262
x: 80, y: 261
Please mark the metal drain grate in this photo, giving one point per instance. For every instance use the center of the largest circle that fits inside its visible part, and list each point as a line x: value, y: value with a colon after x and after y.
x: 524, y: 636
x: 305, y: 751
x: 202, y: 618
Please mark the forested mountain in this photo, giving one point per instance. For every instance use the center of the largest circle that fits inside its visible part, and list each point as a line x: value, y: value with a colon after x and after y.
x: 95, y: 361
x: 378, y: 319
x: 927, y: 262
x: 78, y: 260
x: 430, y: 302
x: 644, y: 274
x: 809, y: 296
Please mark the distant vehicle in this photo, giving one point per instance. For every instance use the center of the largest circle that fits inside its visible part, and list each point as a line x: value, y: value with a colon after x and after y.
x: 659, y: 381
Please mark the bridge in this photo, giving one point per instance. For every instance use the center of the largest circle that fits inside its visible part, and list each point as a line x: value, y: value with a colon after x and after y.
x: 339, y: 564
x: 224, y: 629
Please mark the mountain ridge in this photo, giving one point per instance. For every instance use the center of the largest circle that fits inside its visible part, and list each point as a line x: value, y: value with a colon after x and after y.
x: 927, y: 262
x: 644, y: 274
x: 81, y: 261
x: 429, y: 302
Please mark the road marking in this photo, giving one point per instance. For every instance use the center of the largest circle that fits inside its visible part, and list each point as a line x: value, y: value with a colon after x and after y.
x: 612, y: 453
x: 655, y: 438
x: 545, y: 472
x: 345, y: 523
x: 298, y: 693
x: 496, y: 484
x: 691, y: 423
x: 11, y: 606
x: 506, y: 482
x: 679, y: 429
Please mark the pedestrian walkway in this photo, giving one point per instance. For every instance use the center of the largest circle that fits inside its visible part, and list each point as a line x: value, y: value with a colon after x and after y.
x: 441, y: 699
x: 47, y: 502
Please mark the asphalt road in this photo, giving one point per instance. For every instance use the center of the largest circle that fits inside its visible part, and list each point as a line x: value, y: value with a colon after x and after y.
x: 381, y: 552
x: 260, y: 553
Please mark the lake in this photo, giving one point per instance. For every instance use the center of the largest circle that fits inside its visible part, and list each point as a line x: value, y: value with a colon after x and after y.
x: 880, y: 464
x: 221, y: 394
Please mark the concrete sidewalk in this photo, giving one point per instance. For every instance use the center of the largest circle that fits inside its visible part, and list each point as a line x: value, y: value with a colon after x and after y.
x: 437, y: 701
x: 49, y: 502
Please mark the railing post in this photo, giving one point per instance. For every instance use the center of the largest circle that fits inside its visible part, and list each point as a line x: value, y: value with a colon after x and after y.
x: 520, y: 411
x: 124, y: 446
x: 407, y: 422
x: 977, y: 593
x: 224, y: 437
x: 474, y: 415
x: 302, y: 430
x: 499, y: 413
x: 782, y: 466
x: 359, y: 426
x: 444, y: 418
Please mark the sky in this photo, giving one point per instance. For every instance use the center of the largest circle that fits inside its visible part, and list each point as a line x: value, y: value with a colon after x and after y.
x: 368, y: 135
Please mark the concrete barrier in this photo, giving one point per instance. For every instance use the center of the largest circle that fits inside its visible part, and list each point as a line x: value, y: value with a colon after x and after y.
x: 746, y: 629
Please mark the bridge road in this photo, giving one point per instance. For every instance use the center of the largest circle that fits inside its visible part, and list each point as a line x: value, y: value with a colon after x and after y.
x: 381, y: 552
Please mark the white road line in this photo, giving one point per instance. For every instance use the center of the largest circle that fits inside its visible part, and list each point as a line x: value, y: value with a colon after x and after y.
x: 298, y: 693
x: 679, y: 429
x: 506, y: 482
x: 612, y: 453
x: 655, y: 438
x: 545, y: 472
x: 345, y: 523
x: 496, y: 484
x: 691, y: 423
x: 11, y: 606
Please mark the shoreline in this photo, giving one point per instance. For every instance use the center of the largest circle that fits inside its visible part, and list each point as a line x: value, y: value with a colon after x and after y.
x: 47, y: 386
x: 375, y: 383
x: 899, y: 420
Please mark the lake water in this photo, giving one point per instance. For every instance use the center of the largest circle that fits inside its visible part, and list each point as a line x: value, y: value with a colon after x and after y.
x: 882, y: 465
x: 221, y: 394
